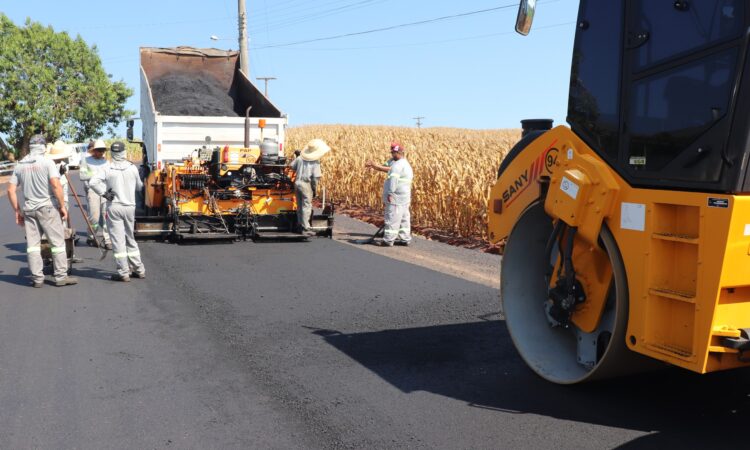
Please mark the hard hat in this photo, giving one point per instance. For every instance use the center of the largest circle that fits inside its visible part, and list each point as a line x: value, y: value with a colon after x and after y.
x: 117, y: 147
x: 396, y: 147
x: 315, y: 150
x: 37, y: 139
x: 99, y: 144
x: 58, y: 151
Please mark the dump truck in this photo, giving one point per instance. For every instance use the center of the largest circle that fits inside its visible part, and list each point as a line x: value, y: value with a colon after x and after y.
x: 189, y: 93
x: 213, y: 152
x: 627, y: 230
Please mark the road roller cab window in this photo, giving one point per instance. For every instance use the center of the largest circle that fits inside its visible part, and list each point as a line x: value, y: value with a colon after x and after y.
x: 683, y: 69
x: 594, y: 105
x: 678, y: 120
x: 668, y: 29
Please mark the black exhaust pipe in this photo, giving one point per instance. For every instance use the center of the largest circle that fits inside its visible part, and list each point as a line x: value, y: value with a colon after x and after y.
x: 530, y: 125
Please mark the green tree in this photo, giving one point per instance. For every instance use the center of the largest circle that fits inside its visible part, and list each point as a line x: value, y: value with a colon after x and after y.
x: 53, y: 84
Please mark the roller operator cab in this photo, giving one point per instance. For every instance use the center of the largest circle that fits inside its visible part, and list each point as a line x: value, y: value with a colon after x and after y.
x: 627, y: 232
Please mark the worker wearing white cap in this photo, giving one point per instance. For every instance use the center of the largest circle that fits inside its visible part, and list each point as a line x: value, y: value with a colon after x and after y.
x: 90, y: 166
x: 39, y: 180
x: 396, y: 196
x: 307, y: 168
x: 118, y: 183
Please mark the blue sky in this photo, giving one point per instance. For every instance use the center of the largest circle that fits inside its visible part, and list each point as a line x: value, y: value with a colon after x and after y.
x: 469, y: 72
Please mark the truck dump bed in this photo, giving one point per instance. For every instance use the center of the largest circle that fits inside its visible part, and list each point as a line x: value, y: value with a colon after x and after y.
x: 189, y: 93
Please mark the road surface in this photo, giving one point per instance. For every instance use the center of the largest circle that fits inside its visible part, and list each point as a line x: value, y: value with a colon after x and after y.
x: 326, y: 344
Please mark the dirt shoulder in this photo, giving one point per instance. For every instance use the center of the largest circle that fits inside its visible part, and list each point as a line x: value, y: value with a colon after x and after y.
x: 470, y: 264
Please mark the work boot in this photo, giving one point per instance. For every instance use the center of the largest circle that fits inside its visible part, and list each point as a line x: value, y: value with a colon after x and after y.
x: 108, y: 245
x: 140, y: 275
x: 386, y: 244
x: 402, y: 243
x: 75, y: 259
x: 67, y: 281
x: 37, y: 284
x: 91, y: 242
x: 118, y: 277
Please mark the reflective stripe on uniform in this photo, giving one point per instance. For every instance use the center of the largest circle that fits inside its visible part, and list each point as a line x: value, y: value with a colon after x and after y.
x: 403, y: 229
x: 94, y: 226
x: 134, y: 254
x: 33, y: 249
x: 121, y: 255
x: 56, y: 250
x: 391, y: 232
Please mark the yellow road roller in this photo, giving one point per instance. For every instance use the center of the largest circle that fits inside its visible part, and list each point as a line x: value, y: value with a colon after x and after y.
x: 627, y: 231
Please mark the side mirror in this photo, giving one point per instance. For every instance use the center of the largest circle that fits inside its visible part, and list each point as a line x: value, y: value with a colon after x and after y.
x: 129, y: 132
x: 525, y: 16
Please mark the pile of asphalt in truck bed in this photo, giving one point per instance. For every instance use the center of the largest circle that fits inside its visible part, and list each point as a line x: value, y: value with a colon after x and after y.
x: 193, y: 94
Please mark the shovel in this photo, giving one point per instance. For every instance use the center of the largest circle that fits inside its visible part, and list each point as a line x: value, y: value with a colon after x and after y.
x: 377, y: 234
x: 99, y: 244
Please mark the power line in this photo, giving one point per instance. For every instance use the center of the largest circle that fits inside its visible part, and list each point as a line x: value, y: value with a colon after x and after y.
x: 420, y: 44
x: 128, y: 58
x: 392, y: 27
x: 419, y: 121
x: 154, y: 24
x: 280, y: 23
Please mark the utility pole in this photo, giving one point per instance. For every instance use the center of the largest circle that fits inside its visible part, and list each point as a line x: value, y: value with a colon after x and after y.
x: 266, y: 79
x: 242, y: 19
x: 419, y: 121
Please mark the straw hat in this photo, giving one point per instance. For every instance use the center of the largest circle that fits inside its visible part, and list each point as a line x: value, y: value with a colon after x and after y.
x: 58, y: 151
x: 315, y: 150
x: 99, y: 144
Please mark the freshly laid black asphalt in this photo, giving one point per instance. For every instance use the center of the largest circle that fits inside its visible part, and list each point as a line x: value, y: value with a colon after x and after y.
x: 308, y: 345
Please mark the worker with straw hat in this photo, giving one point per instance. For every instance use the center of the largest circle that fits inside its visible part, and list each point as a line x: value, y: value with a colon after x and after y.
x: 60, y: 154
x: 307, y: 168
x: 92, y: 165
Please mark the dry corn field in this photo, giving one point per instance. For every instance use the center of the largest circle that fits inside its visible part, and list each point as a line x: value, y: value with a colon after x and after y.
x: 453, y: 170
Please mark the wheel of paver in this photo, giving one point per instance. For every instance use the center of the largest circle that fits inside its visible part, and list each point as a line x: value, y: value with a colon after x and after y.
x: 553, y: 352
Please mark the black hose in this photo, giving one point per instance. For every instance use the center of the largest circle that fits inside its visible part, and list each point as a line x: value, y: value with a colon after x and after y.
x: 556, y: 231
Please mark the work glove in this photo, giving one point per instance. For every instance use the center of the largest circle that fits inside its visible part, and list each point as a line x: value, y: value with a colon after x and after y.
x: 314, y: 185
x: 109, y: 195
x: 63, y: 168
x: 297, y: 152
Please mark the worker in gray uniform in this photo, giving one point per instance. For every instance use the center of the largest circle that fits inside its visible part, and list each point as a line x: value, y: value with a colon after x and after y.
x: 39, y: 180
x: 118, y: 182
x: 90, y: 166
x: 307, y: 168
x: 396, y: 197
